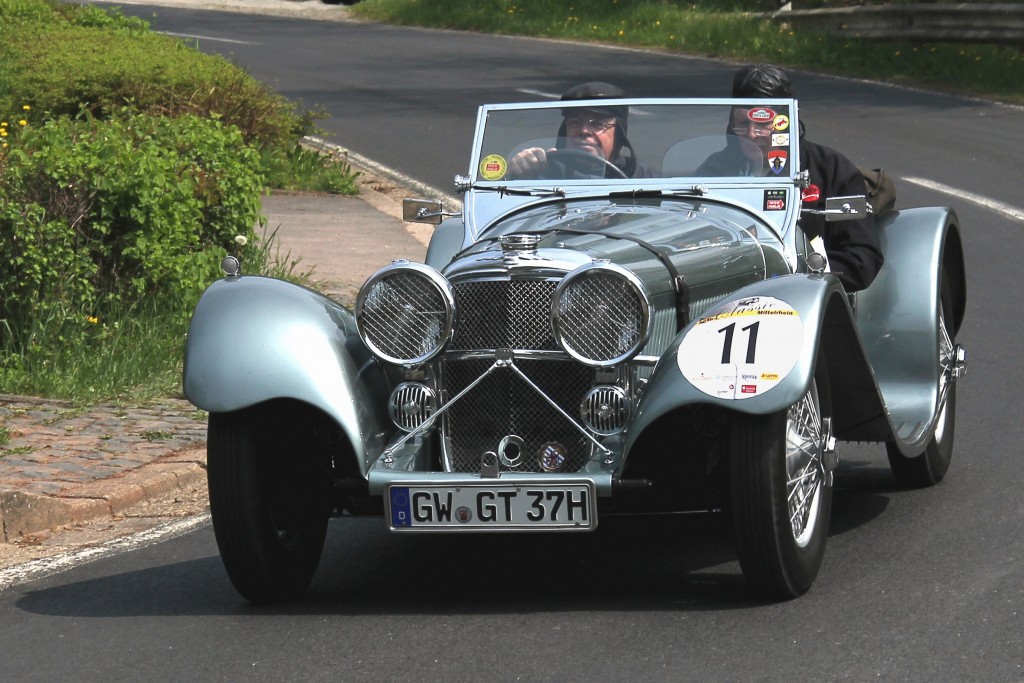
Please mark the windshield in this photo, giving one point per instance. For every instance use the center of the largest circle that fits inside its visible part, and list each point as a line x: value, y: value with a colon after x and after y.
x: 629, y: 139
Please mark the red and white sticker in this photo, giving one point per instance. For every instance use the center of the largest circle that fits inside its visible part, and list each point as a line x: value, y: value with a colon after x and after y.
x: 742, y: 348
x: 777, y: 160
x: 760, y: 115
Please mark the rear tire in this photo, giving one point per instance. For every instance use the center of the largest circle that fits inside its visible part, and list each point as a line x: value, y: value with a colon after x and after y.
x: 930, y: 466
x: 782, y: 495
x: 270, y: 504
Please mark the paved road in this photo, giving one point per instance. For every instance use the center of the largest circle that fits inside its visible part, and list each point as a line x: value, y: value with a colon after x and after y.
x: 922, y: 585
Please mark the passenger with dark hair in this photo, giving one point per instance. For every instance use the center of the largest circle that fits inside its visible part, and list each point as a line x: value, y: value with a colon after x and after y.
x: 599, y: 131
x: 852, y: 247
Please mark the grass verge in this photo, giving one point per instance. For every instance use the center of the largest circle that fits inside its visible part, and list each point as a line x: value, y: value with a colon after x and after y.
x: 723, y: 29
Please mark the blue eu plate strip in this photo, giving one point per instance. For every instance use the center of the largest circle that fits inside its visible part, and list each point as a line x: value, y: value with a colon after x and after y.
x: 401, y: 512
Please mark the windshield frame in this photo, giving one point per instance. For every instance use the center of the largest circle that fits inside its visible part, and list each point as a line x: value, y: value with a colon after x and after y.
x: 493, y: 114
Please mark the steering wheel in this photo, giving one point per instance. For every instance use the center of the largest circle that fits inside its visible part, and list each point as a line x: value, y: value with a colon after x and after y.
x: 578, y: 161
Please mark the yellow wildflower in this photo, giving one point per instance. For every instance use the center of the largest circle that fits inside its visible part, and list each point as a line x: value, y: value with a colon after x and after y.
x: 92, y: 319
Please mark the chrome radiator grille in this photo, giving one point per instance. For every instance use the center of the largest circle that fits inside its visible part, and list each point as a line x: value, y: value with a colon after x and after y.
x: 504, y: 314
x: 504, y: 404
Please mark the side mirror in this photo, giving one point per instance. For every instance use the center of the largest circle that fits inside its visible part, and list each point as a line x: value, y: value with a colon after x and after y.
x: 424, y: 211
x: 842, y: 208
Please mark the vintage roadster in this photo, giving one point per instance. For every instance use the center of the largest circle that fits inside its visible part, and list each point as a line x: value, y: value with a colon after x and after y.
x: 587, y: 337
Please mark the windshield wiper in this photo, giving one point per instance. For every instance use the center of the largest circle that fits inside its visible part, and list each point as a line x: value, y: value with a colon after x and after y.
x: 503, y: 190
x: 692, y: 191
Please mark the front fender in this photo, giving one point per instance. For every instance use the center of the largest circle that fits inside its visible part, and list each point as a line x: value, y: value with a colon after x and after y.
x: 253, y: 339
x: 797, y: 316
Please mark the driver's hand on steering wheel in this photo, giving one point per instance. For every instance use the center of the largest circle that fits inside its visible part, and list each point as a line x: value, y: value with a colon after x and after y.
x: 529, y: 163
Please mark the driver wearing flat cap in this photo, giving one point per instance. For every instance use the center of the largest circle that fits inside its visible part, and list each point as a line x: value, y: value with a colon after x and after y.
x: 598, y: 131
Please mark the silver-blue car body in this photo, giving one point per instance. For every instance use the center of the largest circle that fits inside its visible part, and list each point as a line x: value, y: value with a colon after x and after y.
x: 583, y: 341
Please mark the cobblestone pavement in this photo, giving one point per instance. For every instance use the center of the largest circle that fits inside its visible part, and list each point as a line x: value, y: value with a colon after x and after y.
x: 68, y: 475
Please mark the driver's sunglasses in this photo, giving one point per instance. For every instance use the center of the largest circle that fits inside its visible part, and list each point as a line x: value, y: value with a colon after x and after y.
x: 759, y: 131
x: 596, y: 125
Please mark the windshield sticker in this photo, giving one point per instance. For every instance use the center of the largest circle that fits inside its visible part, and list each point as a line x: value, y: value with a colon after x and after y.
x: 777, y: 160
x: 760, y: 115
x: 742, y: 348
x: 780, y: 140
x: 781, y: 122
x: 774, y: 200
x: 493, y: 167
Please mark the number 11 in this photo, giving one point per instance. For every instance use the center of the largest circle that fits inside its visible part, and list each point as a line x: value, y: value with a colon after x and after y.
x: 729, y: 330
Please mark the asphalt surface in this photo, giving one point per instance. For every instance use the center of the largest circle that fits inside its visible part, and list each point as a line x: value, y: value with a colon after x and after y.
x: 70, y: 477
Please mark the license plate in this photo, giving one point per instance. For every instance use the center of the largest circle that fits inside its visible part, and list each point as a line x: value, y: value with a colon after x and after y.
x: 480, y: 507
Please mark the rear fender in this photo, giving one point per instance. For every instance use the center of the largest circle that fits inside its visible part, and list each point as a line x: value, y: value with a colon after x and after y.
x: 898, y: 316
x: 781, y: 325
x: 254, y: 339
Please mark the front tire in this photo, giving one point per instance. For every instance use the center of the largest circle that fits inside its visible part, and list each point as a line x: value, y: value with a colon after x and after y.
x: 270, y: 504
x: 781, y: 485
x: 929, y: 467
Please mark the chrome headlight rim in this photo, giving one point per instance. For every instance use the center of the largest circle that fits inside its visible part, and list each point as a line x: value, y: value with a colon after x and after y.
x: 437, y: 281
x: 646, y: 308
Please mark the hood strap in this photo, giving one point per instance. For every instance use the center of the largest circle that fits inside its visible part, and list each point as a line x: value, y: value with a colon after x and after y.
x: 682, y: 290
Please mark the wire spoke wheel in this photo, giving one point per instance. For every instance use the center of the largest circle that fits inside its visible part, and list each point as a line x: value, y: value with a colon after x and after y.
x: 781, y: 485
x: 805, y: 471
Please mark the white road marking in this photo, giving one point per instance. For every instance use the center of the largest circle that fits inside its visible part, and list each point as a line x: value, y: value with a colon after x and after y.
x: 210, y: 38
x: 981, y: 200
x: 538, y: 93
x: 47, y: 566
x: 423, y: 189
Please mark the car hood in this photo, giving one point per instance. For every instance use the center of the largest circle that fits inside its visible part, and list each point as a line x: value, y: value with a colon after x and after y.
x: 714, y: 246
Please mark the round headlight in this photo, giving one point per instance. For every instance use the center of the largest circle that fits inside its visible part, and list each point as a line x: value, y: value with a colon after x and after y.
x: 601, y: 314
x: 404, y: 313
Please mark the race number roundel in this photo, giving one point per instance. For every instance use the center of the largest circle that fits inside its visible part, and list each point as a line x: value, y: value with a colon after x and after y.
x: 742, y: 348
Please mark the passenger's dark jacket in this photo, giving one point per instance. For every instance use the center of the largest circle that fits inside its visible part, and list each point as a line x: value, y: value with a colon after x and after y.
x: 852, y: 247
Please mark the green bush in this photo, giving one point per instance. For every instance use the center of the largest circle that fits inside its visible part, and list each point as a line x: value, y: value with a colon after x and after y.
x: 130, y: 164
x: 134, y: 206
x: 62, y: 58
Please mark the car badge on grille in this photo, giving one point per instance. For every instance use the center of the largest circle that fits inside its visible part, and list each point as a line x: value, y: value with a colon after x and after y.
x: 552, y: 456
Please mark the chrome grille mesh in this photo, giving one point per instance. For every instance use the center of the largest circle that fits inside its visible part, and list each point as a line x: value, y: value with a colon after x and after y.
x: 600, y: 316
x: 504, y: 314
x: 504, y: 404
